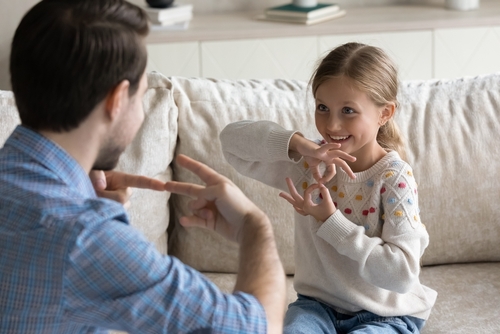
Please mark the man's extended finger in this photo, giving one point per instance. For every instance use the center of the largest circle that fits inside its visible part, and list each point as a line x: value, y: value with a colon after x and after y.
x: 124, y: 180
x: 183, y: 188
x: 205, y: 173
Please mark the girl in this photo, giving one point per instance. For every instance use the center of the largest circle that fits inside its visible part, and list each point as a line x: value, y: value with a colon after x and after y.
x: 358, y: 238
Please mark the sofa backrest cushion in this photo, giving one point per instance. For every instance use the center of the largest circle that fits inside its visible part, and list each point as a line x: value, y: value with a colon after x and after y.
x: 9, y: 117
x: 205, y: 107
x: 150, y: 154
x: 451, y: 128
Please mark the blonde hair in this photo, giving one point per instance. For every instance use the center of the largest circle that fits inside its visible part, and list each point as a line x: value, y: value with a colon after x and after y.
x: 373, y: 72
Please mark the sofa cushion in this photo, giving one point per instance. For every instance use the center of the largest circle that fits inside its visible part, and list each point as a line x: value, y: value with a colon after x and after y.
x: 469, y: 295
x: 9, y: 117
x: 468, y: 298
x: 205, y: 107
x: 150, y: 154
x: 452, y: 128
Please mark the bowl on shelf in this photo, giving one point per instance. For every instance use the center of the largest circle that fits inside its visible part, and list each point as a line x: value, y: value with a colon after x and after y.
x: 160, y: 3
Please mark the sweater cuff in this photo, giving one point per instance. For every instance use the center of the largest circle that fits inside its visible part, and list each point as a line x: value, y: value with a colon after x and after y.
x: 336, y: 229
x: 278, y: 144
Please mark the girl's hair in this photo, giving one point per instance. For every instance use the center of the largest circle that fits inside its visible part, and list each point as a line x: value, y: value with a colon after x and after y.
x: 373, y: 72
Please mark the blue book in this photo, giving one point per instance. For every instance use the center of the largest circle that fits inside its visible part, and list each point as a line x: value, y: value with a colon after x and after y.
x: 290, y: 10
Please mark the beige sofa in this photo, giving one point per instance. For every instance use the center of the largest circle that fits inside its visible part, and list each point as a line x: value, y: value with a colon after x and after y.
x: 452, y: 130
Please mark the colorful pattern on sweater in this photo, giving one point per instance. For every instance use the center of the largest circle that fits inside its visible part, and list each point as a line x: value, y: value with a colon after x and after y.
x: 389, y: 194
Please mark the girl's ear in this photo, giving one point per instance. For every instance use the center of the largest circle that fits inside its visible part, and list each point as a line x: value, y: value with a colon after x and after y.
x: 387, y: 113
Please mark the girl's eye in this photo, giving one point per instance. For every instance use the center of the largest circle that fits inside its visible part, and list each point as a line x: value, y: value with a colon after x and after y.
x: 347, y: 110
x: 322, y: 108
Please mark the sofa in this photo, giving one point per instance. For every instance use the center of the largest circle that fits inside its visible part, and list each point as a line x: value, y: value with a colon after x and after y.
x: 452, y: 132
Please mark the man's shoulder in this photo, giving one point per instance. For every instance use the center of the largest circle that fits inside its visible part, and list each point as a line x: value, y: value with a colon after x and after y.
x: 32, y: 200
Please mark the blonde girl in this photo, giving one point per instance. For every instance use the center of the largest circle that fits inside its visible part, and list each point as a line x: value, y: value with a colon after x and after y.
x: 358, y: 234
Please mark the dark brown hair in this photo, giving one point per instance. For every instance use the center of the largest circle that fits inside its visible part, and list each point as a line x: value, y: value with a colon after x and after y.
x: 373, y: 72
x: 67, y: 55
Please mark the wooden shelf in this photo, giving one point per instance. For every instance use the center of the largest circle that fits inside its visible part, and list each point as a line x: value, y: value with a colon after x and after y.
x: 243, y: 25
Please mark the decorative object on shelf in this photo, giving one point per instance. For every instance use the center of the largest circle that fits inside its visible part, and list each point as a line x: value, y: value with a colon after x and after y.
x: 305, y: 3
x: 462, y: 4
x: 174, y: 17
x: 160, y: 3
x: 292, y: 13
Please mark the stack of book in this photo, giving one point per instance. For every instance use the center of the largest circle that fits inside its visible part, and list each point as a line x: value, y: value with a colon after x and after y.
x: 303, y: 15
x: 175, y: 17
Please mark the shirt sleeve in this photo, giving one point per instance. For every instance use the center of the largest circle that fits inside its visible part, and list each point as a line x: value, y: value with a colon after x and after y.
x: 116, y: 279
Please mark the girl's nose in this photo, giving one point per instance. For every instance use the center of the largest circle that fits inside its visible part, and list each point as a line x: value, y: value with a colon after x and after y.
x: 334, y: 123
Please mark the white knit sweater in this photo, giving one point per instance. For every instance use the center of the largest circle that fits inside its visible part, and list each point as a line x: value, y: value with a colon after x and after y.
x: 366, y: 256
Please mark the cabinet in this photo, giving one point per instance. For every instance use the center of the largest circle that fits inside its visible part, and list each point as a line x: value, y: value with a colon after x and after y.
x: 466, y: 51
x: 426, y: 42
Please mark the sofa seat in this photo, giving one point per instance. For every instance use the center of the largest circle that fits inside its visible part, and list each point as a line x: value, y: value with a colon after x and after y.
x: 468, y: 301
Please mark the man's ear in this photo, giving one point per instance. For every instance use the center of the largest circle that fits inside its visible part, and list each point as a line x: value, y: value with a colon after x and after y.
x: 387, y: 113
x: 116, y: 99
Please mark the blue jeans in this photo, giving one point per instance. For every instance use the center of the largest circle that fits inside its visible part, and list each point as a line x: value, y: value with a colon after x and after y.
x: 307, y: 315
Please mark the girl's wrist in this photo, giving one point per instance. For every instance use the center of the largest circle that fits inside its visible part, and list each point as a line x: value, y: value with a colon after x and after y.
x: 294, y: 142
x: 324, y: 218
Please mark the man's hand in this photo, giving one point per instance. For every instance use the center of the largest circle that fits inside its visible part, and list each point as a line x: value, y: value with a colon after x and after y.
x: 117, y: 186
x: 306, y: 206
x: 220, y: 205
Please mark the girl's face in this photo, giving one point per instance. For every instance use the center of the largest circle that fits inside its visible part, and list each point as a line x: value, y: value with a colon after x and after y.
x: 346, y: 115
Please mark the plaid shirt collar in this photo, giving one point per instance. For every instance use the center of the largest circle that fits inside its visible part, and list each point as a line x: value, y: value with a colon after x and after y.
x: 52, y: 157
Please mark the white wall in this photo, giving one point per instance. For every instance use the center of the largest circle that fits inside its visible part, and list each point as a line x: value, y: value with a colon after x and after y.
x: 11, y: 13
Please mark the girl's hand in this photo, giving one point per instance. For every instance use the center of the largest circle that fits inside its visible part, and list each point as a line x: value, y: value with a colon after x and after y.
x: 306, y: 206
x: 330, y: 154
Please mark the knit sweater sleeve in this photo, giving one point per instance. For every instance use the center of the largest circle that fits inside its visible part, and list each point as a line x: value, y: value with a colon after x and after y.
x: 259, y: 149
x: 392, y: 260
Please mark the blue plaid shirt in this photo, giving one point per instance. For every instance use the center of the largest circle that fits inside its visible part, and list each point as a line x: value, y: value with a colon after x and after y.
x: 71, y: 263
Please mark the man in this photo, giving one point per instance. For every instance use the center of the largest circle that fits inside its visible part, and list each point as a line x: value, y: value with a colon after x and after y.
x: 69, y: 261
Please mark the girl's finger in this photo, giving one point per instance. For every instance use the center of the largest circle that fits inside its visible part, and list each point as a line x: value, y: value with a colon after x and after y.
x: 316, y: 173
x: 308, y: 195
x: 332, y: 154
x: 327, y: 147
x: 325, y: 193
x: 293, y: 190
x: 288, y: 198
x: 330, y: 172
x: 300, y: 211
x: 342, y: 164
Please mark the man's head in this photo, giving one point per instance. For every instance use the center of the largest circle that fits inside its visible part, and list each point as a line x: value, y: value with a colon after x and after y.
x: 68, y: 55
